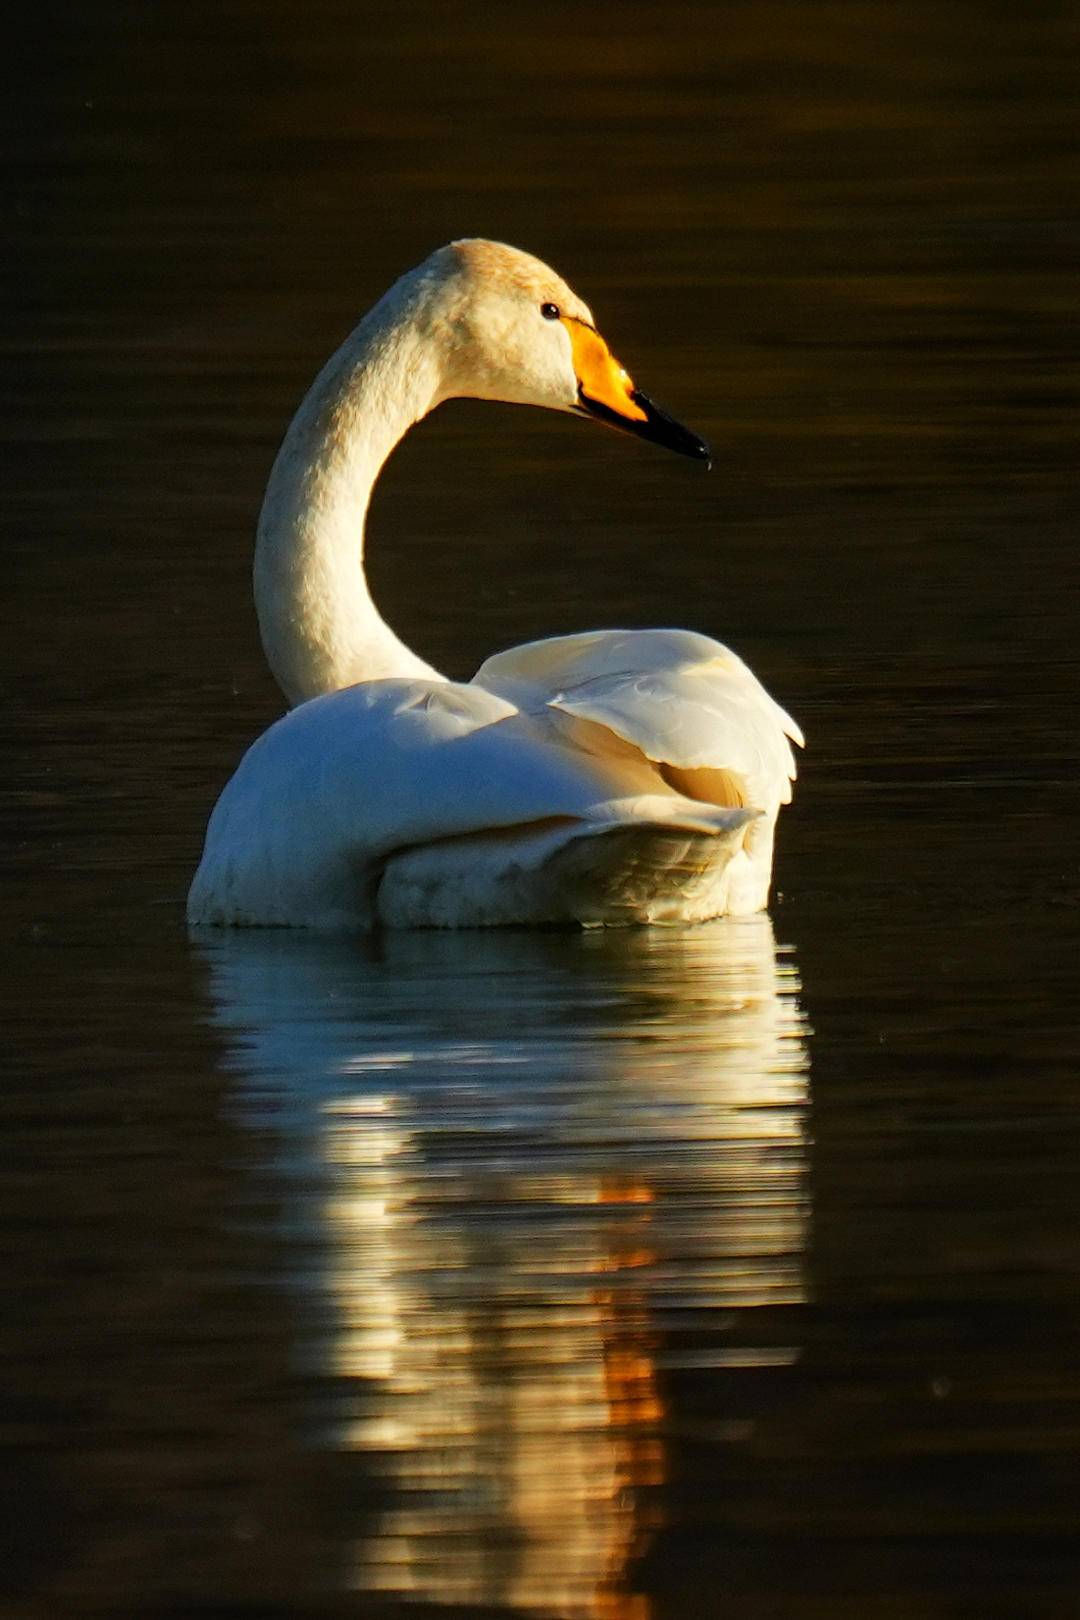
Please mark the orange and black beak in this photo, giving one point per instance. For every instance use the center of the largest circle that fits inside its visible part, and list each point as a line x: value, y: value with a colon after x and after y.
x: 607, y: 392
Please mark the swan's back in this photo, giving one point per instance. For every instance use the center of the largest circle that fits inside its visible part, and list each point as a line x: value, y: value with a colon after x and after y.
x: 594, y: 800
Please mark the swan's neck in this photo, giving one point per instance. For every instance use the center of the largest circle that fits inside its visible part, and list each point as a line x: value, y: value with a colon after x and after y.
x: 320, y: 628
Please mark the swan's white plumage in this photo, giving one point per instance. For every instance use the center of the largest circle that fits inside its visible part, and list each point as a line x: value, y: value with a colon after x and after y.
x: 682, y: 698
x: 607, y: 777
x: 326, y: 797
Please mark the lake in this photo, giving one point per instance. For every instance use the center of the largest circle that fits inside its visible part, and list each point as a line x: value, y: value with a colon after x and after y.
x: 645, y: 1275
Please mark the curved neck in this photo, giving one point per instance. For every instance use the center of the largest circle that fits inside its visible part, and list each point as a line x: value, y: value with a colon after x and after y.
x: 320, y: 628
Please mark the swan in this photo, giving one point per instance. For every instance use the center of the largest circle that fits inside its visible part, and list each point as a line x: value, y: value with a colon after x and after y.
x: 615, y: 776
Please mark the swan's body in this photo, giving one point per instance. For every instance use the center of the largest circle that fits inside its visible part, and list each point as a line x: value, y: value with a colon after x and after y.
x: 617, y: 776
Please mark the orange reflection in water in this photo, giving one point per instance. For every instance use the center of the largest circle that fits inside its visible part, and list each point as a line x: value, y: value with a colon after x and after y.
x: 518, y: 1157
x: 517, y: 1428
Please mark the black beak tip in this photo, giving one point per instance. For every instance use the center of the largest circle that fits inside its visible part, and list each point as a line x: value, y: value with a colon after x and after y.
x: 663, y: 429
x: 655, y: 425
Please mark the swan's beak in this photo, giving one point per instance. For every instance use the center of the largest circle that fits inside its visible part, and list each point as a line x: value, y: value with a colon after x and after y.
x: 606, y: 391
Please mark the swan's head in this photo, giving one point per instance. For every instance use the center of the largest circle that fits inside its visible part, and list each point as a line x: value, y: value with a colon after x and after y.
x: 512, y: 329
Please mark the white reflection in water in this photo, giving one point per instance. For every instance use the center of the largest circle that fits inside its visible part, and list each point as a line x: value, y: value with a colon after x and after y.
x: 510, y: 1158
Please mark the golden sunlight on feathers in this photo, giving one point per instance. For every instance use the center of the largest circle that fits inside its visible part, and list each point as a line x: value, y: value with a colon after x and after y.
x: 620, y: 776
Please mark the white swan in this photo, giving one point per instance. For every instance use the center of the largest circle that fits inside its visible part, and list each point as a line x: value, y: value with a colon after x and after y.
x: 611, y: 777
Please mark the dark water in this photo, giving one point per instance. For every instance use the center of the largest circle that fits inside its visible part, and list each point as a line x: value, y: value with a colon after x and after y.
x: 660, y: 1275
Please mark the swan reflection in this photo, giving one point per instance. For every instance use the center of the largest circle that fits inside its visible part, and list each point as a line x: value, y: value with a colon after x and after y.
x: 511, y: 1162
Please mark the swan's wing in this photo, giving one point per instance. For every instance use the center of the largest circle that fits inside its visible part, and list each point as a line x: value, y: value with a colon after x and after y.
x: 341, y: 782
x: 683, y: 699
x: 408, y: 761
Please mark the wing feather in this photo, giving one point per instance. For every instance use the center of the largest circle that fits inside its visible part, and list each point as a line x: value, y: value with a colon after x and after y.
x: 344, y: 780
x: 684, y: 700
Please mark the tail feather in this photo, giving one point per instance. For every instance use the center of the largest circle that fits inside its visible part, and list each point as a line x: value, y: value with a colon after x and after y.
x: 611, y: 873
x: 646, y: 873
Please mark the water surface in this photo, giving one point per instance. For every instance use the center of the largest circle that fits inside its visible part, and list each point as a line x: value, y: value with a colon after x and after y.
x: 659, y: 1275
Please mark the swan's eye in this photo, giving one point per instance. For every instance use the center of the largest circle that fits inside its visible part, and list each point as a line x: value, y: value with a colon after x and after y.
x: 550, y: 312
